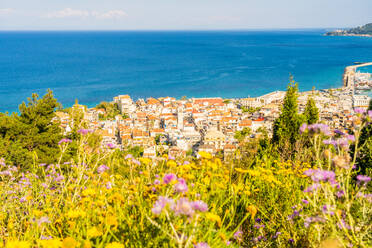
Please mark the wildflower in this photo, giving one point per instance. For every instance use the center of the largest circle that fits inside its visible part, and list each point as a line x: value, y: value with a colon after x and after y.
x: 305, y: 201
x: 84, y: 131
x: 362, y: 178
x: 114, y: 245
x: 200, y: 206
x: 252, y: 210
x: 70, y: 242
x: 108, y: 185
x: 42, y: 220
x: 338, y: 132
x: 59, y: 178
x: 359, y: 111
x: 319, y: 128
x: 93, y: 232
x: 17, y: 244
x: 160, y: 204
x: 303, y: 128
x: 205, y: 155
x: 111, y: 146
x: 311, y: 188
x: 135, y: 161
x: 51, y: 243
x: 129, y: 156
x: 102, y: 169
x: 64, y: 141
x: 277, y: 235
x: 156, y: 181
x: 170, y: 157
x: 238, y: 235
x: 22, y: 200
x: 181, y: 186
x: 183, y: 207
x: 343, y: 225
x: 340, y: 193
x: 370, y: 114
x: 169, y: 177
x: 202, y: 245
x: 320, y: 175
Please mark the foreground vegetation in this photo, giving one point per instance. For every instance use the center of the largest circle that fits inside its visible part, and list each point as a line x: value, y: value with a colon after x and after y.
x: 308, y: 193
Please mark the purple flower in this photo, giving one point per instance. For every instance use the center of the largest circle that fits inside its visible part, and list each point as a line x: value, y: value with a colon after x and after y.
x: 277, y: 235
x: 202, y: 245
x: 183, y: 207
x: 362, y: 178
x: 303, y: 128
x: 64, y: 141
x: 340, y: 193
x: 343, y: 225
x: 320, y: 175
x: 128, y: 156
x: 311, y: 188
x: 59, y: 178
x: 111, y: 146
x: 102, y: 168
x: 84, y: 131
x: 135, y: 161
x: 338, y: 132
x: 351, y: 137
x: 200, y: 206
x: 108, y: 185
x: 186, y: 162
x: 181, y: 186
x: 359, y: 110
x: 258, y: 220
x: 305, y: 201
x: 169, y: 177
x: 156, y: 181
x: 170, y: 157
x: 238, y: 235
x: 370, y: 114
x: 160, y: 204
x: 22, y: 200
x: 42, y: 220
x: 320, y: 128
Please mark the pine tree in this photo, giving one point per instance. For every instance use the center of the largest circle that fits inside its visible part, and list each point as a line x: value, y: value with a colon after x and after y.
x: 31, y: 134
x: 311, y: 113
x: 286, y: 127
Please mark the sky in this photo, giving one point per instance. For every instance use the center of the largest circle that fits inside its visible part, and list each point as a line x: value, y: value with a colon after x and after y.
x: 182, y: 14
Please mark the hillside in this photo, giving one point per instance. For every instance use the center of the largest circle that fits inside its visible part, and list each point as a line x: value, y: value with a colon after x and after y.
x: 365, y: 30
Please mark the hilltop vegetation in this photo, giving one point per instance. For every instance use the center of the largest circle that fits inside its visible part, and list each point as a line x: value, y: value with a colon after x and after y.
x: 309, y: 186
x: 362, y: 30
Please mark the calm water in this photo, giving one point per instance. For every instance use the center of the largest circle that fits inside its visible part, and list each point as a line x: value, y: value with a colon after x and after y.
x: 96, y: 66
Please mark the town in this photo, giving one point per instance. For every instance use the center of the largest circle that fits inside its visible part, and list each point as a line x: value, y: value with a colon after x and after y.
x: 187, y: 126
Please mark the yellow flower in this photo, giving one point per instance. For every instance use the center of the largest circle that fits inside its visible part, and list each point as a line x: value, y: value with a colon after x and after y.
x: 205, y: 155
x: 114, y: 245
x: 214, y: 218
x: 240, y: 170
x: 17, y: 244
x: 252, y: 210
x: 88, y: 192
x: 171, y: 163
x: 145, y: 161
x: 112, y: 221
x: 93, y: 232
x: 51, y: 243
x: 69, y: 243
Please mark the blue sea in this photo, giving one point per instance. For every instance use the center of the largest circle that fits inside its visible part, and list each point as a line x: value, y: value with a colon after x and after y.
x: 96, y: 66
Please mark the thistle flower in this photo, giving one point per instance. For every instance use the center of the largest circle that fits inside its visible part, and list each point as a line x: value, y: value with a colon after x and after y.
x: 200, y: 206
x: 364, y: 179
x: 102, y: 169
x: 111, y: 146
x: 169, y: 177
x: 84, y: 131
x: 181, y: 186
x: 359, y: 111
x: 183, y: 207
x: 62, y: 141
x: 202, y: 245
x: 129, y: 156
x: 303, y: 128
x: 160, y: 204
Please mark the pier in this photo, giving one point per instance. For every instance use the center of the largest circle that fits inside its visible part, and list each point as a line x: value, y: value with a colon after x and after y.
x: 349, y: 74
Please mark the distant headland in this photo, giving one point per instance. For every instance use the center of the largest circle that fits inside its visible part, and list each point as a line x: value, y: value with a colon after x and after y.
x: 365, y: 30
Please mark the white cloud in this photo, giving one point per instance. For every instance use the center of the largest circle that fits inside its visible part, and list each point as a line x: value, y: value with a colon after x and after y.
x: 68, y: 12
x: 5, y: 12
x: 112, y: 14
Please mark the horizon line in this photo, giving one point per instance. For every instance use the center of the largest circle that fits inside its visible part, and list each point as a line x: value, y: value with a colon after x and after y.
x: 167, y: 30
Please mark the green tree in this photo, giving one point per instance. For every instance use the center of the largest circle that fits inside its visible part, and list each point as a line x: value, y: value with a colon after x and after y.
x: 31, y: 135
x: 286, y: 127
x: 311, y: 113
x: 240, y: 135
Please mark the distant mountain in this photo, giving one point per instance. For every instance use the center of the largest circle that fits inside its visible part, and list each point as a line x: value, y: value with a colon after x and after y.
x: 365, y: 30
